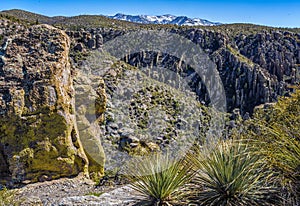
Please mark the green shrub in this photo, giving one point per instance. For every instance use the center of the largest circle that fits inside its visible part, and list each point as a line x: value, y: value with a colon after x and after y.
x: 282, y: 153
x: 96, y: 194
x: 275, y: 133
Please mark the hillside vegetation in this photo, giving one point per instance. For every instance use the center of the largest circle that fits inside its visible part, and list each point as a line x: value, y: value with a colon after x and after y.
x: 95, y: 21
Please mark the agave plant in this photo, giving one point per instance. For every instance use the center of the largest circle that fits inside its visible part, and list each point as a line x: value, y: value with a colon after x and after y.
x: 160, y: 179
x: 229, y: 174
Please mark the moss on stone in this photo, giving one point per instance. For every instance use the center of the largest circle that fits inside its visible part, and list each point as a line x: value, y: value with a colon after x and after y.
x: 38, y: 132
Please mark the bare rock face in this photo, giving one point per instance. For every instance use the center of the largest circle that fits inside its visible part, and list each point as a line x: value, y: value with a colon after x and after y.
x: 39, y: 139
x: 86, y: 39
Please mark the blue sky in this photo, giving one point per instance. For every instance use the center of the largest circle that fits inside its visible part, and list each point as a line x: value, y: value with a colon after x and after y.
x: 266, y: 12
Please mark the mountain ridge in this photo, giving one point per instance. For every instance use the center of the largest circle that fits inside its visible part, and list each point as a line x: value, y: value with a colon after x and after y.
x: 164, y: 19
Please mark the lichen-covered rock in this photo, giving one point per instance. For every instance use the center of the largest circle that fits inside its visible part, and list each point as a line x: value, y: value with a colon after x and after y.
x: 39, y: 139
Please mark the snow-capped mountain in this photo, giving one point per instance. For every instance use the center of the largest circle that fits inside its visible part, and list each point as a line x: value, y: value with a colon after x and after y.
x: 165, y: 19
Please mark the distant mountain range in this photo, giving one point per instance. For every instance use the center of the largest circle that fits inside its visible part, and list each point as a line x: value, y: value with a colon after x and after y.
x: 165, y: 19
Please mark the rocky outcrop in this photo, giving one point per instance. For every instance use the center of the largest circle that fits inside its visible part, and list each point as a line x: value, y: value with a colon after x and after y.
x: 83, y: 39
x: 39, y: 138
x: 254, y: 68
x: 278, y: 52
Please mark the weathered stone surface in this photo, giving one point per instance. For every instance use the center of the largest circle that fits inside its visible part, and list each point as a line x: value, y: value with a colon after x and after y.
x: 99, y: 41
x: 90, y: 106
x: 119, y: 197
x: 245, y: 64
x: 38, y: 131
x: 82, y: 40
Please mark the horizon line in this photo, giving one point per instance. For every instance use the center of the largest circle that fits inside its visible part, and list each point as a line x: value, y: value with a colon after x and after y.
x: 108, y: 16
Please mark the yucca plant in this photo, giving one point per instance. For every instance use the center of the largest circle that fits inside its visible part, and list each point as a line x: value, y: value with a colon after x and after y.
x: 284, y: 156
x: 229, y: 174
x: 279, y: 144
x: 160, y: 179
x: 275, y: 133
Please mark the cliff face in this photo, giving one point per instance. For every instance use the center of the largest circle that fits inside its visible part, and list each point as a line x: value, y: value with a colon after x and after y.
x: 255, y: 68
x: 39, y: 139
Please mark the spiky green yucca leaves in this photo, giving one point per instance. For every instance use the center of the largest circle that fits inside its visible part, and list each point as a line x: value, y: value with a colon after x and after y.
x: 277, y: 143
x: 283, y: 154
x: 160, y: 178
x: 228, y: 174
x: 275, y: 133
